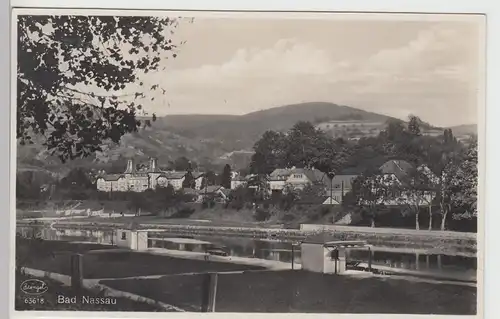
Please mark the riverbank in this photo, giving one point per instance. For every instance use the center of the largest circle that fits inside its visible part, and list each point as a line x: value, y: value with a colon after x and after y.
x: 300, y: 291
x: 434, y: 242
x: 102, y: 261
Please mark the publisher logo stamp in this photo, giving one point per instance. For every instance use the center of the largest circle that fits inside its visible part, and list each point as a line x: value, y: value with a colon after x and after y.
x: 34, y: 287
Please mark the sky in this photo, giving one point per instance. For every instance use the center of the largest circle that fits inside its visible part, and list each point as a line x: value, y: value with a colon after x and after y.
x: 429, y: 68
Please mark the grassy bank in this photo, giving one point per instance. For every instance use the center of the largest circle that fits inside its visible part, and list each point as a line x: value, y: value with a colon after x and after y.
x: 48, y: 300
x: 300, y: 291
x: 54, y: 256
x: 48, y: 208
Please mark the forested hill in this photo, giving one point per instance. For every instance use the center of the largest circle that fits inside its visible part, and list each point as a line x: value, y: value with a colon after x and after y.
x: 249, y: 127
x: 202, y: 138
x: 205, y: 139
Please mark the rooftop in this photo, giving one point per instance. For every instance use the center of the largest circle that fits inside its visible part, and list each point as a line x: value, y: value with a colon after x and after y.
x: 173, y: 175
x: 399, y: 168
x: 112, y: 177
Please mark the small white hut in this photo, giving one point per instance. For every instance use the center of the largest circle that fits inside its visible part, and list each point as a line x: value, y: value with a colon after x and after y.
x: 328, y: 257
x: 131, y: 237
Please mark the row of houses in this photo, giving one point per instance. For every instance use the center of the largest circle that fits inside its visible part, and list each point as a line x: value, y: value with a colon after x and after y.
x: 283, y: 179
x: 280, y: 180
x: 396, y: 172
x: 139, y: 180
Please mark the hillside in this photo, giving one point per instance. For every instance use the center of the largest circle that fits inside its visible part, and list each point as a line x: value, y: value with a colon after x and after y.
x: 245, y: 129
x: 466, y: 129
x: 202, y: 138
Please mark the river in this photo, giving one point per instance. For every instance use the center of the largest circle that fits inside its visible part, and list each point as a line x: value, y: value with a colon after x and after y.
x: 384, y: 257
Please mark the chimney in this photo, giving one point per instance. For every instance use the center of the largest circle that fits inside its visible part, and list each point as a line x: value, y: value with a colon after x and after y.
x: 153, y: 164
x: 130, y: 167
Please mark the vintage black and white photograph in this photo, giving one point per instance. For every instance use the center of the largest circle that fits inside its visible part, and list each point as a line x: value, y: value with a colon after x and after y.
x: 247, y: 162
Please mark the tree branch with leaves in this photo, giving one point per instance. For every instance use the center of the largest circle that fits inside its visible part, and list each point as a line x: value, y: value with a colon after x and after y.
x: 79, y: 78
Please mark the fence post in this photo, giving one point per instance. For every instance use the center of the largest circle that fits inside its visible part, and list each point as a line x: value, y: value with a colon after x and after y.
x: 369, y: 259
x: 76, y: 271
x: 209, y: 292
x: 293, y: 255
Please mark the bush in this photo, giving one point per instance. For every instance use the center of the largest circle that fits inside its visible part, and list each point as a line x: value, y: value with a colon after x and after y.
x: 238, y: 205
x: 262, y: 215
x: 324, y: 211
x: 184, y: 212
x: 208, y: 203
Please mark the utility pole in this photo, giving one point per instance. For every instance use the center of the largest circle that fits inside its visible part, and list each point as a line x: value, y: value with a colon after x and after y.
x: 205, y: 197
x: 331, y: 175
x: 342, y: 193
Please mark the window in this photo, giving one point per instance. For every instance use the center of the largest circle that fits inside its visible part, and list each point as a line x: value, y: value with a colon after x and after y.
x: 124, y: 235
x: 297, y: 176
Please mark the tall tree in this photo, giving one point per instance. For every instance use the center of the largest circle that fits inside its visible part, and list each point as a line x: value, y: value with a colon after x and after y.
x: 466, y: 181
x: 369, y: 192
x: 209, y: 179
x: 77, y: 177
x: 302, y: 145
x: 448, y: 137
x: 414, y: 191
x: 183, y: 164
x: 446, y: 187
x: 79, y: 78
x: 189, y: 181
x: 226, y: 177
x: 394, y: 130
x: 414, y: 125
x: 268, y: 153
x: 289, y: 196
x: 261, y: 186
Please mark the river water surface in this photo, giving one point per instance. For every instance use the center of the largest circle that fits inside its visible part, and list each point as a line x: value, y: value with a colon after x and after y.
x: 462, y: 266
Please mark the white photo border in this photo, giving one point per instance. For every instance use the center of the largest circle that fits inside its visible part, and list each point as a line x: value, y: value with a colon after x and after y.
x: 490, y: 127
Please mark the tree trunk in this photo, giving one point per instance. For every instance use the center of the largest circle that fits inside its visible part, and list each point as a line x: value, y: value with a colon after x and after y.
x: 373, y: 217
x: 417, y: 222
x: 430, y: 217
x: 443, y: 219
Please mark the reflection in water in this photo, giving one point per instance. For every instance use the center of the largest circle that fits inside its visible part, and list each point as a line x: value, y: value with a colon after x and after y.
x: 270, y: 250
x: 415, y: 261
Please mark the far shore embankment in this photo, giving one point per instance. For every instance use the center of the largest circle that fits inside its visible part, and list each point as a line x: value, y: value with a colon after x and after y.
x: 434, y: 242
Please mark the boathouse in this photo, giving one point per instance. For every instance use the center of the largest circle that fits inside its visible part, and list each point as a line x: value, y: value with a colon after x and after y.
x: 328, y: 257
